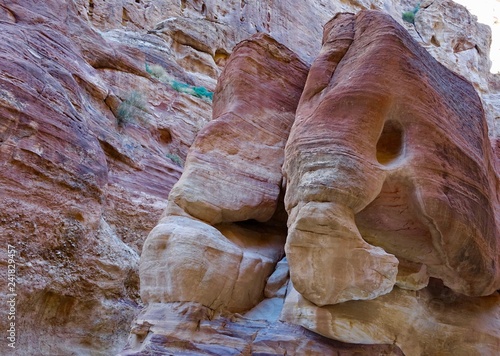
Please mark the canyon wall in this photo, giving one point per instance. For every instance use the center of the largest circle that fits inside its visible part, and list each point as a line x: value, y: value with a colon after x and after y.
x: 100, y: 102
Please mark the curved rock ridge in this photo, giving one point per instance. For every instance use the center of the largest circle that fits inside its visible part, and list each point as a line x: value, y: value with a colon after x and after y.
x: 199, y: 252
x: 388, y: 163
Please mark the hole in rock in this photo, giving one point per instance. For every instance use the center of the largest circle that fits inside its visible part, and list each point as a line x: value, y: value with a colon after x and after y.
x: 254, y: 236
x: 435, y: 42
x: 260, y: 236
x: 221, y: 57
x: 165, y: 136
x: 390, y: 143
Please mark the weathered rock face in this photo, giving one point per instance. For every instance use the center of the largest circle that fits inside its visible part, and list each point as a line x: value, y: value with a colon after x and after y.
x: 454, y: 37
x: 391, y: 148
x: 215, y: 27
x: 232, y: 174
x: 97, y: 111
x: 450, y: 34
x: 86, y: 142
x: 385, y: 189
x: 192, y: 329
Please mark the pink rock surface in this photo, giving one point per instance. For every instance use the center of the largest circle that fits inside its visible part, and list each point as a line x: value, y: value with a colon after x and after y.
x: 81, y: 186
x: 233, y: 170
x: 199, y: 252
x: 431, y: 321
x: 394, y: 149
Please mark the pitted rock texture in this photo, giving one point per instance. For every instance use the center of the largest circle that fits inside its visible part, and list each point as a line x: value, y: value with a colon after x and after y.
x: 388, y: 147
x: 431, y: 321
x: 199, y: 23
x: 461, y: 45
x: 199, y: 252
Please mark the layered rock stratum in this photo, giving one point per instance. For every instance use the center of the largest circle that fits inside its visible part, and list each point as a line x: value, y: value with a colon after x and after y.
x: 100, y: 102
x: 232, y: 174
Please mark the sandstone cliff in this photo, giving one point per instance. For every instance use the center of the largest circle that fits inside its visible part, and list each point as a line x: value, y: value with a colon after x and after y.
x: 99, y: 103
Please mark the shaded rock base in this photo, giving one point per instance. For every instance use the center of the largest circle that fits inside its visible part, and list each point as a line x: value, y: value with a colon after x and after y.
x: 191, y: 329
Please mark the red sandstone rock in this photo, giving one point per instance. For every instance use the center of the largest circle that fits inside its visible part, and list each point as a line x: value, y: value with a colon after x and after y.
x: 79, y: 188
x: 233, y: 170
x: 390, y: 147
x: 232, y: 174
x: 79, y: 297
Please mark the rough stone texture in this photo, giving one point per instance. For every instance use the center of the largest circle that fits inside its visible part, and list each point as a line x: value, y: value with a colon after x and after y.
x: 199, y: 35
x: 232, y: 173
x: 295, y: 23
x: 432, y: 321
x: 81, y: 185
x: 454, y: 37
x: 450, y: 34
x: 191, y: 329
x: 390, y: 147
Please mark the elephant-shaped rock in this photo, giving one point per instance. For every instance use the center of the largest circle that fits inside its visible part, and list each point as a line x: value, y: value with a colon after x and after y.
x: 388, y: 168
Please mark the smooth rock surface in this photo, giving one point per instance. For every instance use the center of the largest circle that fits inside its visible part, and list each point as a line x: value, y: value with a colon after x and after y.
x: 432, y: 321
x: 232, y: 174
x: 390, y: 147
x: 184, y: 259
x: 233, y: 170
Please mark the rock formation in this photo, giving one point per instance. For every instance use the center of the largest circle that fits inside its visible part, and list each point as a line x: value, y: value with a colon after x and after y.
x: 100, y: 101
x: 232, y: 174
x: 87, y: 138
x: 192, y: 329
x: 391, y: 194
x: 388, y: 147
x: 431, y: 321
